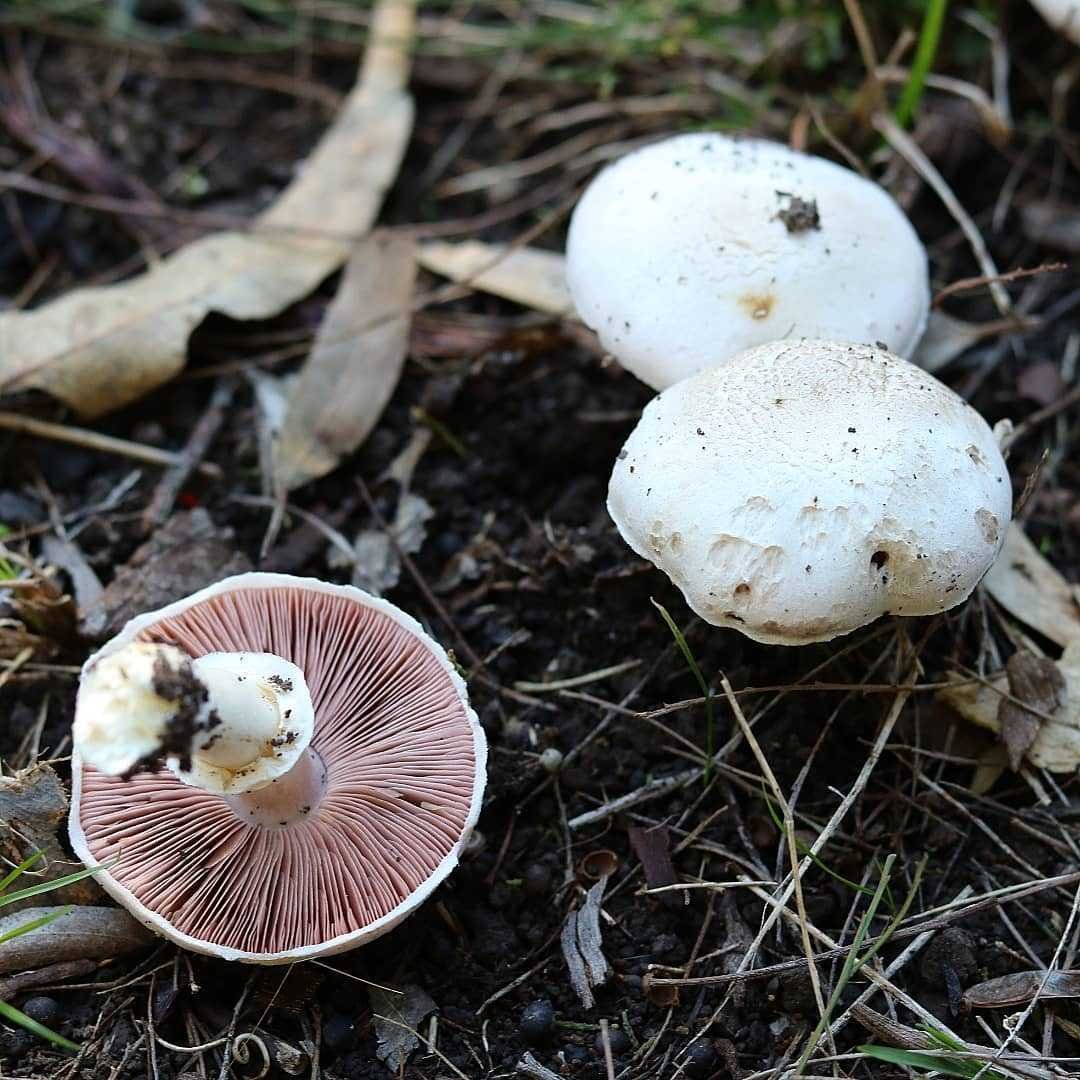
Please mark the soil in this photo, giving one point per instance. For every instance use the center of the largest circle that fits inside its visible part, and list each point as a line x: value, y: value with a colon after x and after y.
x: 532, y: 578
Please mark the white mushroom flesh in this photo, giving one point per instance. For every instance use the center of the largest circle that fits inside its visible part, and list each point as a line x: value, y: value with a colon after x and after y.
x: 225, y: 722
x: 806, y: 488
x: 1062, y: 15
x: 688, y: 251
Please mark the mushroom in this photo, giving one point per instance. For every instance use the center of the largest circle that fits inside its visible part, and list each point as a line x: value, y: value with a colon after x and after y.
x: 806, y: 488
x: 1062, y: 15
x: 690, y: 250
x: 273, y: 768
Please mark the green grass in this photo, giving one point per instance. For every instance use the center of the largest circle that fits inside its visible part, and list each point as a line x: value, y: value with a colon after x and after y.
x: 853, y: 962
x: 692, y: 664
x: 9, y: 1012
x: 929, y: 38
x: 953, y: 1065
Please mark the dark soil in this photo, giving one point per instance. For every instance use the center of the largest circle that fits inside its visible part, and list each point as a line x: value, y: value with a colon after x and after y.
x: 537, y: 584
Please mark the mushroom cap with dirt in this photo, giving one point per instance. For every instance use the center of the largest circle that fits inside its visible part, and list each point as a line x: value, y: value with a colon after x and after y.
x: 806, y: 488
x: 690, y: 250
x: 1062, y: 15
x: 273, y: 768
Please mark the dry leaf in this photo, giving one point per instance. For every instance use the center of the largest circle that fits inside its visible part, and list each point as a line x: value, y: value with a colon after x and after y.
x: 946, y: 338
x: 1037, y: 682
x: 354, y: 365
x: 582, y: 945
x: 397, y: 1016
x: 100, y: 348
x: 528, y: 276
x: 1041, y: 382
x: 1057, y: 745
x: 1010, y: 991
x: 1027, y: 586
x: 32, y: 807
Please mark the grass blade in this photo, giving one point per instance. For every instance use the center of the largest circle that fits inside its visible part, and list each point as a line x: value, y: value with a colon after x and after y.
x: 47, y: 886
x: 929, y: 36
x: 692, y: 664
x: 17, y: 1016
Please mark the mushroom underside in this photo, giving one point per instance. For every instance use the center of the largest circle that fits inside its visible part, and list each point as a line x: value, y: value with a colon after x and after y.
x: 397, y: 742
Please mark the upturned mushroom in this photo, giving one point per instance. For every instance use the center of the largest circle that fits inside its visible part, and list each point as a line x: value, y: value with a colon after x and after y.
x: 273, y: 768
x: 806, y: 488
x: 690, y: 250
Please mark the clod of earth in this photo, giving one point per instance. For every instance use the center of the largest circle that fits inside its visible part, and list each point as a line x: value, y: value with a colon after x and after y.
x: 271, y: 728
x: 805, y: 488
x: 735, y: 243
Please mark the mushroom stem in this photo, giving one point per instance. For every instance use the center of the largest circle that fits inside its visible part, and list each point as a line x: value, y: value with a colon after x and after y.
x: 286, y: 800
x: 225, y: 722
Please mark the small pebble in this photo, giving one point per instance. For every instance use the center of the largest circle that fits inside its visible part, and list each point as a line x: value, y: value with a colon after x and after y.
x: 618, y: 1040
x: 45, y: 1010
x: 551, y: 760
x: 700, y: 1058
x: 339, y: 1033
x: 537, y: 1022
x: 953, y: 948
x: 537, y: 879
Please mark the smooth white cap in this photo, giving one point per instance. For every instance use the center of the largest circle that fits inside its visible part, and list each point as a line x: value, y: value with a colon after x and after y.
x: 806, y: 488
x: 690, y: 250
x: 1062, y: 15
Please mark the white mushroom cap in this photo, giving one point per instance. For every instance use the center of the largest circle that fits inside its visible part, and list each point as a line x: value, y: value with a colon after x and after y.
x: 688, y: 251
x: 805, y: 488
x: 1062, y: 15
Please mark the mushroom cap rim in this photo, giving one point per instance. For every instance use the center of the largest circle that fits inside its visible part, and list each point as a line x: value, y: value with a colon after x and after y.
x: 343, y: 942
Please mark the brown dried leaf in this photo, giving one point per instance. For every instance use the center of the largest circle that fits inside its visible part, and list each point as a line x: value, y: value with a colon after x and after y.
x: 1010, y: 991
x: 1035, y: 681
x: 653, y: 847
x: 528, y: 276
x: 1057, y: 744
x: 99, y: 348
x: 188, y: 553
x: 1027, y: 586
x: 354, y: 365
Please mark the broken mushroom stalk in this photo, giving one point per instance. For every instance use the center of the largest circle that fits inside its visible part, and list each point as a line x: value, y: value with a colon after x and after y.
x: 692, y: 249
x: 275, y: 768
x: 806, y: 488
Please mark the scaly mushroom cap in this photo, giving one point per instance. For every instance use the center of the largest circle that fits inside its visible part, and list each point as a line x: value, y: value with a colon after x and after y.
x: 404, y: 759
x: 688, y: 251
x: 805, y: 488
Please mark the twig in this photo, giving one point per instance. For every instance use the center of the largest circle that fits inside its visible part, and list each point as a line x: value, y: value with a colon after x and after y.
x: 202, y: 435
x: 969, y: 283
x: 912, y: 153
x: 93, y: 440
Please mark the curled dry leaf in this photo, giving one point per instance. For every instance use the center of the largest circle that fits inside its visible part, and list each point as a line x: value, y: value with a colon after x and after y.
x: 946, y: 338
x: 1027, y: 586
x: 1010, y: 991
x: 528, y: 276
x: 99, y: 348
x: 397, y: 1016
x: 80, y: 933
x: 582, y: 946
x: 1056, y: 745
x: 354, y: 365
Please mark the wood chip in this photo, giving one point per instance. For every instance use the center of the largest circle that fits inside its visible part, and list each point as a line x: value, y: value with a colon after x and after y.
x: 582, y: 946
x: 80, y: 933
